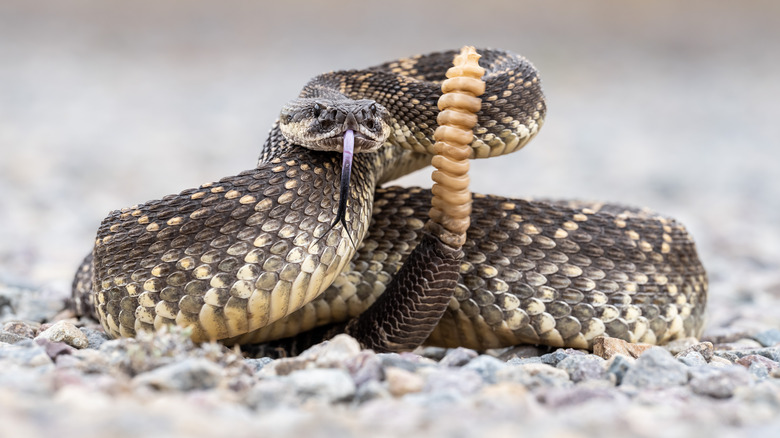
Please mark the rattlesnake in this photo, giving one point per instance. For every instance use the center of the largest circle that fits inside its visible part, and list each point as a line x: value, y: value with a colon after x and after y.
x: 270, y: 253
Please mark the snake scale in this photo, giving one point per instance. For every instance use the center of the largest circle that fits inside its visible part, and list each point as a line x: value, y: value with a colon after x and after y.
x: 271, y: 252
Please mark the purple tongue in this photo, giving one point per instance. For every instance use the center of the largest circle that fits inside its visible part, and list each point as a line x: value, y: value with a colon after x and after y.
x: 346, y: 163
x: 346, y: 171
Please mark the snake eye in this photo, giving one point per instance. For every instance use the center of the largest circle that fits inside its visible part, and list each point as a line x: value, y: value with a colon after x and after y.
x: 372, y: 108
x: 317, y: 109
x: 286, y: 117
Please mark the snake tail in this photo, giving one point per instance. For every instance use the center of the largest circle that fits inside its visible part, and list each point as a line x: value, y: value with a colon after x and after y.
x: 405, y: 315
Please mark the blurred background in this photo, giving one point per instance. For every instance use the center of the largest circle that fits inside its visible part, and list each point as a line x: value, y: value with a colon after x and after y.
x: 667, y: 104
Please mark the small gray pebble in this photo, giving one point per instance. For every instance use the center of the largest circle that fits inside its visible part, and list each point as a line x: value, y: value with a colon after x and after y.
x: 618, y: 367
x: 458, y: 380
x: 728, y: 355
x: 534, y: 376
x: 702, y: 370
x: 326, y: 384
x: 771, y: 353
x: 583, y: 367
x: 679, y: 345
x: 759, y: 371
x: 333, y: 352
x: 558, y: 355
x: 365, y: 367
x: 656, y: 368
x: 87, y: 361
x: 187, y: 375
x: 457, y: 357
x: 486, y: 366
x: 524, y: 360
x: 720, y: 382
x: 259, y: 363
x: 114, y: 347
x: 21, y: 328
x: 95, y: 338
x: 286, y: 365
x: 31, y: 356
x: 692, y: 358
x: 404, y: 362
x: 435, y: 353
x: 759, y: 366
x: 705, y: 349
x: 272, y: 393
x: 370, y: 390
x: 513, y: 373
x: 768, y: 338
x: 10, y: 338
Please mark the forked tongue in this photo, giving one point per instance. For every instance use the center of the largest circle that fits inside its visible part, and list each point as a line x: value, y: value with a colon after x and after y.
x: 346, y: 171
x: 346, y: 166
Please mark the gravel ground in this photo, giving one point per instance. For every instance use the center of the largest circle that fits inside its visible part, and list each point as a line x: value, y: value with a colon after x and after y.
x: 103, y: 105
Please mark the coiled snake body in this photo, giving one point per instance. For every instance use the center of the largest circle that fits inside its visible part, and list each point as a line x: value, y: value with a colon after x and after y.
x: 263, y: 255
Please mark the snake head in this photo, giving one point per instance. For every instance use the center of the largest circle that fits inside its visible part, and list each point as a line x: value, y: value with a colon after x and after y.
x: 320, y: 123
